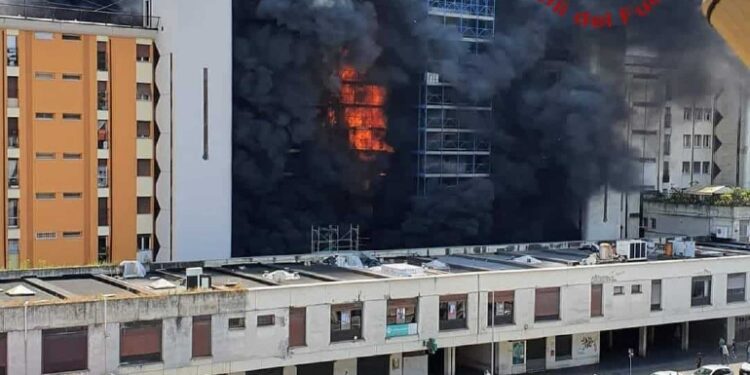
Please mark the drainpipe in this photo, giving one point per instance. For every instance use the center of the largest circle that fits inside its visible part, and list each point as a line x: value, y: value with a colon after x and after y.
x: 106, y: 335
x: 25, y: 337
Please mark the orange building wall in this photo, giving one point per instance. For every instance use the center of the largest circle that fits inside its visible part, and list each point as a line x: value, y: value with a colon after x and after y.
x: 77, y: 136
x: 731, y: 18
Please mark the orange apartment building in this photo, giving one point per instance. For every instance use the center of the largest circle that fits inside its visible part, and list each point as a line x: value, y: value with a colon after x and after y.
x: 79, y: 139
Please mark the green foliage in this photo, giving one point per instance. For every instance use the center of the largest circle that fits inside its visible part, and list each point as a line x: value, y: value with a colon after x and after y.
x: 738, y: 197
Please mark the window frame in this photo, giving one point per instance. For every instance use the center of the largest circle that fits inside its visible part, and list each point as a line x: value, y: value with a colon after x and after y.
x: 202, y: 325
x: 508, y: 300
x: 236, y: 323
x: 265, y: 320
x: 736, y: 297
x: 704, y: 300
x: 459, y: 320
x: 349, y: 329
x: 563, y: 339
x: 654, y: 306
x: 618, y: 290
x: 636, y: 289
x: 539, y: 292
x: 297, y: 317
x: 402, y: 315
x: 77, y: 360
x: 133, y: 328
x: 596, y: 310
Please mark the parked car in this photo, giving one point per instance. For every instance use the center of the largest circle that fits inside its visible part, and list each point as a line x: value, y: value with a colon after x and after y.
x: 714, y: 370
x: 745, y: 369
x: 668, y: 372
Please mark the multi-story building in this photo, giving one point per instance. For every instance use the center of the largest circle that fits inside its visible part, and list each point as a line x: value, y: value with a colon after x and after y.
x: 451, y: 147
x: 79, y: 141
x: 510, y: 308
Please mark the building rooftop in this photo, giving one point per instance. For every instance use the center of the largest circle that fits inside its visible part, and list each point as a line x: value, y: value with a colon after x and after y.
x: 92, y: 283
x: 74, y: 14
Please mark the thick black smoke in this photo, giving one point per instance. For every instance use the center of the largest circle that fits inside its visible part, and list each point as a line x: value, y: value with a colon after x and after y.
x: 555, y: 129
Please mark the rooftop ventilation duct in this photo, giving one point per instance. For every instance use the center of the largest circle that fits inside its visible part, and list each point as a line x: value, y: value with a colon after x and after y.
x: 132, y: 269
x: 20, y: 290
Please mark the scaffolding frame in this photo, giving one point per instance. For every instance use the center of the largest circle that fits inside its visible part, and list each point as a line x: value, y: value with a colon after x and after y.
x: 450, y: 151
x: 332, y: 238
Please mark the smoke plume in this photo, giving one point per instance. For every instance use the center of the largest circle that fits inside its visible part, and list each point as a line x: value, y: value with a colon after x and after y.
x: 556, y: 127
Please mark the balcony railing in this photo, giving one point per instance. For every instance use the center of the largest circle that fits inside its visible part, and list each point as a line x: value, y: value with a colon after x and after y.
x: 77, y: 14
x: 13, y: 141
x: 13, y: 182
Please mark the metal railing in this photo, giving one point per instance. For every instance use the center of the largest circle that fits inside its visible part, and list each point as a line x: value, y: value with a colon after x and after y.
x: 28, y: 10
x: 475, y: 7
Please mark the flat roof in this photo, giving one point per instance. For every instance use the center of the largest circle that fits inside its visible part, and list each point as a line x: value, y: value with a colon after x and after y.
x: 304, y: 269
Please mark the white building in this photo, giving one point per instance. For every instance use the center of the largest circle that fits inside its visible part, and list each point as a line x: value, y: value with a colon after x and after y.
x: 490, y: 306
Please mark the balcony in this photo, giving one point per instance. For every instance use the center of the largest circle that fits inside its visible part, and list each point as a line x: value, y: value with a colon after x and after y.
x: 102, y: 180
x: 13, y: 182
x: 79, y: 14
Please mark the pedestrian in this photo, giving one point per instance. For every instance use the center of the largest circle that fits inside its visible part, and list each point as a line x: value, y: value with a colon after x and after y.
x: 721, y: 345
x: 699, y: 360
x: 724, y: 355
x: 734, y: 350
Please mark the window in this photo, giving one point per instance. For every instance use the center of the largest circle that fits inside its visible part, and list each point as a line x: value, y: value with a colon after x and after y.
x: 202, y: 336
x: 686, y: 141
x: 698, y: 114
x: 71, y: 37
x: 103, y: 213
x: 143, y: 52
x: 65, y: 350
x: 688, y: 113
x: 685, y: 167
x: 44, y: 76
x: 101, y: 56
x: 102, y: 100
x: 72, y: 195
x: 346, y: 322
x: 144, y: 168
x: 706, y: 141
x: 13, y: 213
x: 266, y: 320
x: 144, y: 205
x: 39, y: 35
x: 45, y: 155
x: 636, y: 289
x: 667, y: 144
x: 13, y: 252
x: 101, y: 135
x: 653, y: 223
x: 13, y: 92
x: 697, y: 141
x: 143, y: 241
x: 707, y: 114
x: 44, y: 116
x: 45, y: 196
x: 452, y: 312
x: 143, y: 91
x: 297, y: 327
x: 655, y: 295
x: 140, y: 342
x: 102, y: 250
x: 736, y: 287
x: 619, y: 290
x: 44, y: 236
x: 13, y: 173
x: 596, y: 300
x: 236, y: 323
x: 696, y: 167
x: 71, y: 116
x: 701, y: 291
x: 547, y: 304
x: 401, y: 318
x: 13, y: 132
x: 706, y: 167
x: 71, y: 235
x: 71, y: 156
x: 11, y: 43
x: 71, y: 77
x: 143, y: 129
x: 563, y: 347
x: 102, y: 179
x: 668, y: 117
x: 501, y: 311
x: 665, y: 172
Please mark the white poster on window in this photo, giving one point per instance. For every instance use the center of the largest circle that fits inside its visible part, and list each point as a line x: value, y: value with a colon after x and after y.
x: 401, y: 315
x: 451, y: 310
x: 346, y: 320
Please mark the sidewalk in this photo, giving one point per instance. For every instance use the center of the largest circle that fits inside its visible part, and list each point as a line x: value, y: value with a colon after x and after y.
x: 684, y: 362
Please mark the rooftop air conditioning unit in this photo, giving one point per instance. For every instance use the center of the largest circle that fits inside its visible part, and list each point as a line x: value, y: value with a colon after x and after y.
x: 132, y: 269
x: 633, y: 250
x: 193, y: 276
x: 683, y: 248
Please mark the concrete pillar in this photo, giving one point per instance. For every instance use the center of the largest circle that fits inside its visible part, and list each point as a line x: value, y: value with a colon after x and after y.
x: 610, y: 340
x: 730, y: 330
x: 290, y: 370
x: 178, y: 331
x: 651, y: 335
x: 642, y: 341
x: 395, y: 364
x: 685, y: 337
x: 450, y: 361
x: 24, y: 352
x: 345, y: 367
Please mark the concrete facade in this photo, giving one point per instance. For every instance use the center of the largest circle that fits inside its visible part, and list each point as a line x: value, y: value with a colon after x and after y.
x: 670, y: 219
x: 256, y: 347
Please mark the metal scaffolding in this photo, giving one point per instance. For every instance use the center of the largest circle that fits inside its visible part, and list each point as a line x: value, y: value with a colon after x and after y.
x: 451, y: 148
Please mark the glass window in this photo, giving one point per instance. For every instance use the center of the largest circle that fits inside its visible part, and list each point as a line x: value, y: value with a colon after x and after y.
x: 707, y: 113
x: 701, y: 291
x: 144, y: 168
x: 143, y: 241
x: 401, y: 318
x: 706, y: 141
x: 667, y: 144
x: 144, y: 129
x: 202, y: 336
x: 563, y: 347
x: 686, y: 141
x: 143, y: 52
x: 13, y: 173
x: 596, y: 300
x: 736, y: 287
x: 547, y: 304
x: 500, y: 308
x: 236, y: 323
x: 297, y: 326
x: 71, y: 37
x: 140, y: 342
x: 665, y: 172
x: 103, y: 212
x: 13, y: 213
x: 655, y: 295
x: 144, y: 205
x: 688, y: 113
x: 12, y: 49
x: 686, y: 167
x: 102, y: 100
x: 266, y: 320
x: 143, y: 91
x: 668, y: 117
x: 13, y: 141
x: 346, y: 322
x: 40, y: 35
x: 453, y: 312
x: 13, y: 256
x: 13, y: 91
x: 635, y: 289
x: 101, y: 56
x: 697, y: 141
x: 706, y: 167
x: 696, y: 167
x: 65, y: 350
x: 698, y: 113
x: 619, y: 290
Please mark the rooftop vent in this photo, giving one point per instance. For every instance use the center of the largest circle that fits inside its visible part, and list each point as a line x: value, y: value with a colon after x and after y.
x: 132, y: 269
x: 162, y: 284
x: 436, y: 265
x: 20, y: 290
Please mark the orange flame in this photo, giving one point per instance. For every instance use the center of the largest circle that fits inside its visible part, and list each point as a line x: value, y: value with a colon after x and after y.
x: 362, y: 112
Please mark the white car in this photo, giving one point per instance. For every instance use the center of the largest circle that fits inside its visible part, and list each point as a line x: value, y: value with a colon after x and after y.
x: 714, y: 370
x: 666, y: 373
x: 745, y: 369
